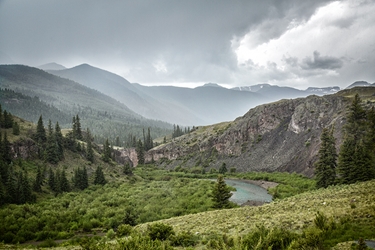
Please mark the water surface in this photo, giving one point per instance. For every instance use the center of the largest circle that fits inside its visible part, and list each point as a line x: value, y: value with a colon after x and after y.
x: 247, y: 191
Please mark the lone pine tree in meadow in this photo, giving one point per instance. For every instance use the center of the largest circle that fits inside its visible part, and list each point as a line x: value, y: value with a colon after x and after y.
x: 325, y: 170
x: 221, y: 194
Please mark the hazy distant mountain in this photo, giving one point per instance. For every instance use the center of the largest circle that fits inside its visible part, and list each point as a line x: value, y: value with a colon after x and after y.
x: 200, y: 106
x: 323, y: 91
x: 51, y: 66
x: 211, y: 104
x: 212, y: 85
x: 274, y: 92
x: 359, y: 84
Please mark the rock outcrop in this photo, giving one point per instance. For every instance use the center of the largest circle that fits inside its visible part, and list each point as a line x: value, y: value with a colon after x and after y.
x: 279, y: 136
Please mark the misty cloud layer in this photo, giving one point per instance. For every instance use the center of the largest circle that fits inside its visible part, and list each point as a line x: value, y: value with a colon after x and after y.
x: 234, y: 43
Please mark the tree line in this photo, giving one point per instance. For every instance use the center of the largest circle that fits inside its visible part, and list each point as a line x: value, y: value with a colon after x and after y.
x: 356, y: 159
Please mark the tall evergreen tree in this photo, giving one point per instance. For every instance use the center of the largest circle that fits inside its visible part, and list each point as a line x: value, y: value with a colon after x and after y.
x: 63, y: 182
x: 221, y: 194
x: 356, y: 159
x: 51, y: 146
x: 106, y: 156
x: 40, y: 131
x: 78, y: 131
x: 325, y: 170
x: 90, y: 151
x: 59, y: 140
x: 140, y: 152
x: 52, y: 180
x: 7, y: 120
x: 6, y: 150
x: 37, y: 186
x: 99, y: 177
x: 16, y: 128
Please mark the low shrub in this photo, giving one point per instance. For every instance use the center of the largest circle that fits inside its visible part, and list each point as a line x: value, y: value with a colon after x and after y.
x: 160, y: 231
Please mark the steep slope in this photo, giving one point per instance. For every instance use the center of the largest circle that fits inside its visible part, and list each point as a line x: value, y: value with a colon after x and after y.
x: 279, y: 136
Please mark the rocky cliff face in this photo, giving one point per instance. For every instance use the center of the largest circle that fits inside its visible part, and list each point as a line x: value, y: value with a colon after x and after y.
x: 280, y: 136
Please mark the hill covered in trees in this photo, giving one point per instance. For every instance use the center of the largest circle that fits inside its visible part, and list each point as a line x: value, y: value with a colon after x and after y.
x: 24, y: 89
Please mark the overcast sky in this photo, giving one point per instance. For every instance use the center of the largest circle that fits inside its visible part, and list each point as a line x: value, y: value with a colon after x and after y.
x: 190, y: 42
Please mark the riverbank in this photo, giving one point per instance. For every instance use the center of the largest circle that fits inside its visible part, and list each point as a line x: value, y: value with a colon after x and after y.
x: 264, y: 184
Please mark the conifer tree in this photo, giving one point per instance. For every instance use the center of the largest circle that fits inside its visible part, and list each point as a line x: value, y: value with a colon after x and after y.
x: 40, y: 131
x: 90, y: 151
x: 16, y: 128
x: 99, y: 177
x: 37, y: 186
x: 7, y: 120
x: 63, y: 182
x: 223, y: 169
x: 356, y: 159
x: 6, y: 150
x: 52, y: 180
x: 106, y: 156
x: 140, y: 152
x: 221, y: 194
x: 1, y: 117
x: 51, y: 145
x: 59, y: 139
x: 78, y: 130
x: 325, y: 170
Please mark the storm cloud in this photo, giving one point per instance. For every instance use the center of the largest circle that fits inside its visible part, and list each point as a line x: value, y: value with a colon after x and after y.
x: 191, y: 42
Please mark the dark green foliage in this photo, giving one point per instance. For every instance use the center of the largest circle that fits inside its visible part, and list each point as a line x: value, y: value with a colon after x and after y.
x: 325, y: 170
x: 51, y: 146
x: 7, y: 120
x: 59, y: 140
x: 99, y: 178
x: 184, y: 239
x: 356, y: 158
x: 80, y: 178
x: 53, y: 185
x: 16, y: 128
x: 5, y: 150
x: 77, y: 131
x: 223, y: 168
x: 221, y: 194
x: 106, y: 155
x: 124, y: 230
x: 263, y: 238
x: 89, y: 150
x: 160, y: 231
x: 127, y: 169
x: 37, y: 187
x: 62, y: 183
x: 140, y: 152
x: 147, y: 140
x: 41, y: 136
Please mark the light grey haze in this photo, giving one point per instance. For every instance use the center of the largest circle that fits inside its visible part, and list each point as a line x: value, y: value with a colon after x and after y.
x: 187, y: 43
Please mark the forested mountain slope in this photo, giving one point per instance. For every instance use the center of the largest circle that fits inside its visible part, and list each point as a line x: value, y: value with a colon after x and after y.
x: 106, y: 117
x: 279, y: 136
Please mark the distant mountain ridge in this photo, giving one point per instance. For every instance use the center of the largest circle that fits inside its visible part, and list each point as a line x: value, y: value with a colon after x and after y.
x: 51, y: 66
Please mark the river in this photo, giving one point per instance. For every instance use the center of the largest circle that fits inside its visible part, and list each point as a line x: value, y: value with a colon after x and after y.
x: 246, y: 191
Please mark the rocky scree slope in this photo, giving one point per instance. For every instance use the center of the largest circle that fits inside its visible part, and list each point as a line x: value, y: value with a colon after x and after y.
x: 279, y: 136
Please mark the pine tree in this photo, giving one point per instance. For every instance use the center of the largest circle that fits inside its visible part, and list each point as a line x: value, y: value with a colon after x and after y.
x: 6, y: 150
x: 127, y: 169
x: 106, y: 156
x: 356, y: 158
x: 90, y: 151
x: 223, y: 169
x: 78, y: 130
x: 52, y: 180
x: 51, y: 146
x: 59, y: 139
x: 37, y: 187
x: 63, y: 182
x: 221, y: 194
x: 140, y: 152
x: 16, y: 128
x: 99, y: 178
x: 325, y: 170
x: 7, y: 120
x: 40, y: 131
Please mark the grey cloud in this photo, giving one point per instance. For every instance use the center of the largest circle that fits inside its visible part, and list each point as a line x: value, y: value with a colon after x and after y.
x: 192, y: 37
x: 321, y: 62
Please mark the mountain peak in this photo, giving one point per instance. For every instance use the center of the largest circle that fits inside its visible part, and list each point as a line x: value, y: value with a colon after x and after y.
x: 359, y: 84
x: 212, y: 85
x: 51, y: 66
